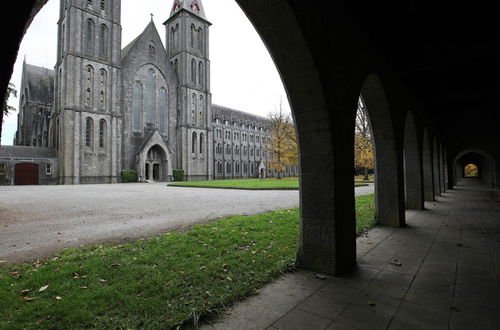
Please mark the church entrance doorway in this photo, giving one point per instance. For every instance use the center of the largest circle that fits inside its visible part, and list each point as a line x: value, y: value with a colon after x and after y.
x: 156, y: 164
x: 26, y: 174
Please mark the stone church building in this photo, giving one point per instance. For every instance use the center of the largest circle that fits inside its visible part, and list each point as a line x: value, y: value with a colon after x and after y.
x: 104, y: 108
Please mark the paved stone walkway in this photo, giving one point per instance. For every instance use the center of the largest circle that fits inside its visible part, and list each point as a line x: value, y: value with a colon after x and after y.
x: 441, y: 272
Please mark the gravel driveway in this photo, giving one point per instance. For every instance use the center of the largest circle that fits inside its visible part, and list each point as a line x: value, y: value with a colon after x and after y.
x: 38, y: 221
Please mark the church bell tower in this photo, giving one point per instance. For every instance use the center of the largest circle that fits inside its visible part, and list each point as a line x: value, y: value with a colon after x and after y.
x: 187, y: 41
x: 87, y: 119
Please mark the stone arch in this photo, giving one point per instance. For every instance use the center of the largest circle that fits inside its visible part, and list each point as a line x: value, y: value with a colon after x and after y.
x: 414, y: 192
x: 164, y: 161
x: 389, y: 174
x: 428, y: 175
x: 484, y: 161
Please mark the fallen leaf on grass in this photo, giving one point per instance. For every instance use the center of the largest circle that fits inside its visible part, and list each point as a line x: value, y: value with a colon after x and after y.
x: 15, y: 273
x: 203, y: 267
x: 43, y: 288
x: 59, y: 298
x: 83, y: 287
x: 115, y: 264
x: 28, y: 299
x: 103, y: 281
x: 25, y: 291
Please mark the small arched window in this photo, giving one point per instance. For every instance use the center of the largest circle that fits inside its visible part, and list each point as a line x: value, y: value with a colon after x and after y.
x: 201, y: 142
x: 89, y: 44
x: 89, y: 86
x: 102, y: 133
x: 200, y: 39
x: 193, y: 70
x: 193, y: 109
x: 103, y: 85
x: 137, y: 102
x: 89, y: 132
x: 201, y: 111
x: 200, y: 73
x: 103, y: 42
x: 194, y: 139
x: 193, y: 35
x: 152, y: 48
x: 103, y: 5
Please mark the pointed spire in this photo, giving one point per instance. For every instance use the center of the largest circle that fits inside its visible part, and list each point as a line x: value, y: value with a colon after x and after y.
x: 193, y: 6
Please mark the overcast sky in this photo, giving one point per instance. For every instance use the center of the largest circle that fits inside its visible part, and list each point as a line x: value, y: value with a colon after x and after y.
x: 243, y: 75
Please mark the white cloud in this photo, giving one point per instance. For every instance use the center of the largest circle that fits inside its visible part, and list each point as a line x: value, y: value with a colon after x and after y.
x: 243, y: 75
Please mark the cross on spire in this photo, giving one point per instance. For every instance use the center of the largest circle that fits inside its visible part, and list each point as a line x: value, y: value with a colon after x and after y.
x: 151, y: 17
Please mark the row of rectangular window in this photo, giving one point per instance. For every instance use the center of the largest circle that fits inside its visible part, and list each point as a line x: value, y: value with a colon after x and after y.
x: 244, y: 126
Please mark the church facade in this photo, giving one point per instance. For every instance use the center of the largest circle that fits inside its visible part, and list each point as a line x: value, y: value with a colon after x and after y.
x: 144, y: 107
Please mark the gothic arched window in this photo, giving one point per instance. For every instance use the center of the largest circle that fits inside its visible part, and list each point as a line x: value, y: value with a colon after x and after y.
x: 89, y: 44
x: 201, y: 143
x: 103, y: 85
x: 103, y: 42
x: 194, y: 137
x: 200, y: 40
x: 201, y: 110
x: 193, y: 109
x: 200, y: 73
x: 193, y: 70
x: 193, y: 35
x: 162, y: 108
x: 89, y: 86
x: 89, y: 132
x: 150, y: 88
x: 102, y: 133
x: 137, y: 102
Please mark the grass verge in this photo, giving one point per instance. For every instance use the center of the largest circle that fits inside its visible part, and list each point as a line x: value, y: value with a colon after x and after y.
x: 246, y: 184
x: 160, y: 282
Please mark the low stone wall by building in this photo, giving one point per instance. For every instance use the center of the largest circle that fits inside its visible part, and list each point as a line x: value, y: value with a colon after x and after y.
x: 14, y: 157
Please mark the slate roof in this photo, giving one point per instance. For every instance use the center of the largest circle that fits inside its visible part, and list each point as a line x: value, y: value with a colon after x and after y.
x: 233, y: 115
x: 40, y: 84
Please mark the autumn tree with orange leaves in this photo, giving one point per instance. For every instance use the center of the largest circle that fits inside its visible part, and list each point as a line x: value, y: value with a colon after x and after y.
x: 282, y: 149
x: 363, y: 146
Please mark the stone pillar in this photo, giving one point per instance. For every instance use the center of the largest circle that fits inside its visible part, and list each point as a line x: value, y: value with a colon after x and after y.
x: 413, y: 167
x: 435, y: 169
x: 427, y: 169
x: 442, y: 169
x: 389, y: 165
x: 324, y: 117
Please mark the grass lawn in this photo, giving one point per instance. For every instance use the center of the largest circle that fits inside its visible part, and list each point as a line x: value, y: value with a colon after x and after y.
x: 249, y: 184
x: 156, y: 283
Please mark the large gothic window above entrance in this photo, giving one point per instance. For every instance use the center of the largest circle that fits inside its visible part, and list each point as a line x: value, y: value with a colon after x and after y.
x: 162, y: 108
x: 150, y: 87
x: 137, y: 101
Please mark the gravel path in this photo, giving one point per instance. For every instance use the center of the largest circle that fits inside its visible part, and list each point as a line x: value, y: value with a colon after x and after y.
x: 38, y: 221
